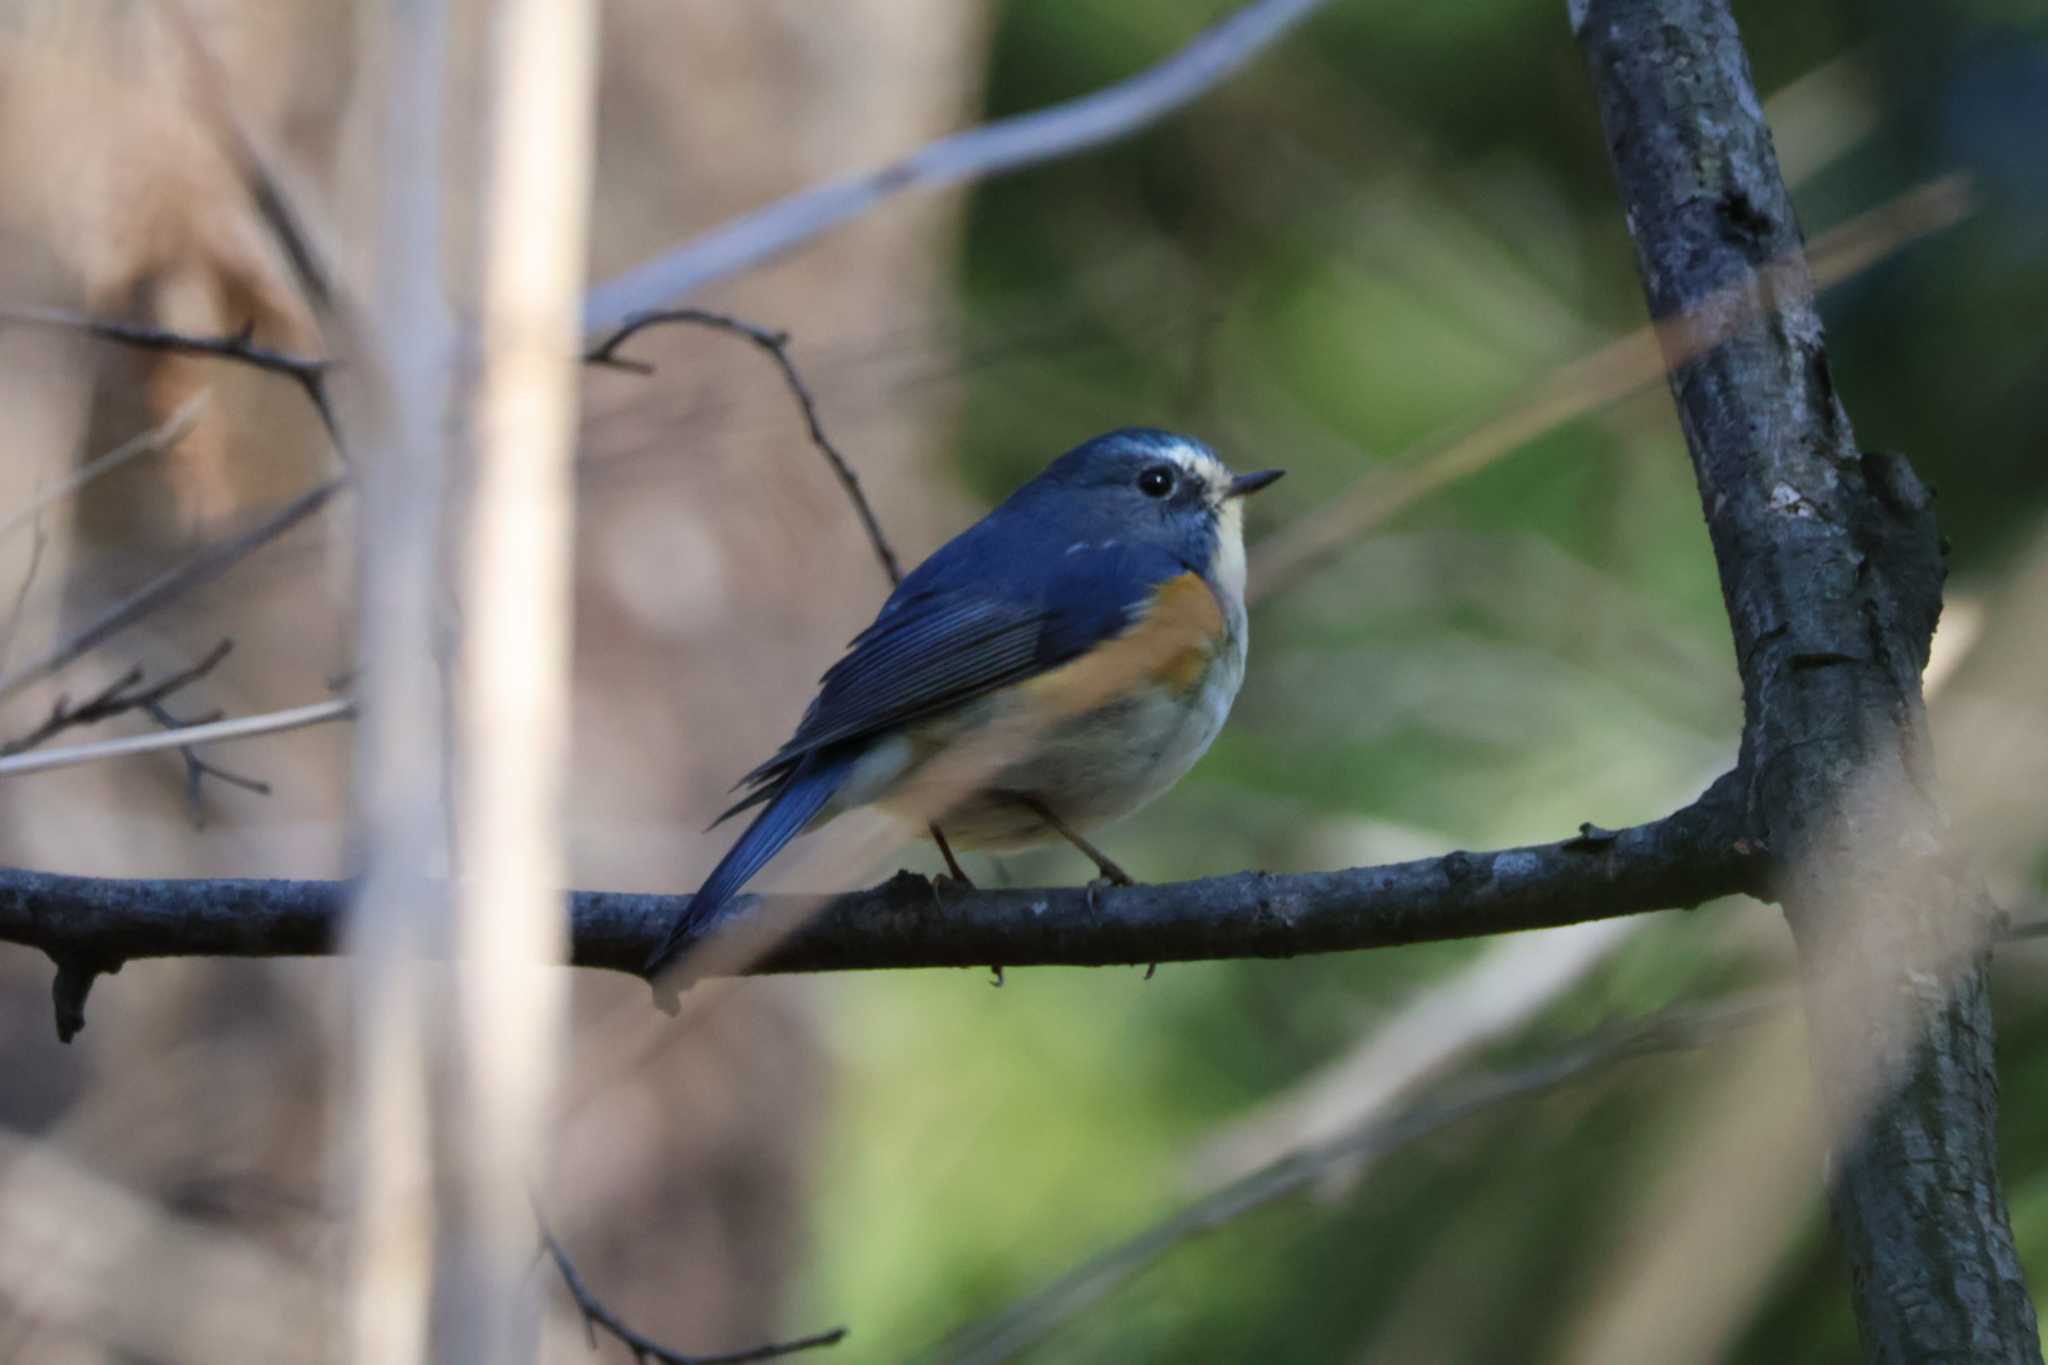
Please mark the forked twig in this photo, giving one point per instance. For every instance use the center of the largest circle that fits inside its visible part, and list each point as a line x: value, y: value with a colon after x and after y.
x: 119, y: 697
x: 198, y: 769
x: 309, y: 373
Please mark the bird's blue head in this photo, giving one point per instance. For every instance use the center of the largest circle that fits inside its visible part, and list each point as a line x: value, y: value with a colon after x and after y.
x: 1146, y: 486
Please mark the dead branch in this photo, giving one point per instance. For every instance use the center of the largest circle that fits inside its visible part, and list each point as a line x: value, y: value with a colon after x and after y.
x: 155, y: 441
x: 776, y: 345
x: 201, y: 569
x: 993, y: 149
x: 28, y: 582
x: 123, y: 695
x: 1692, y: 856
x: 308, y: 373
x: 198, y: 769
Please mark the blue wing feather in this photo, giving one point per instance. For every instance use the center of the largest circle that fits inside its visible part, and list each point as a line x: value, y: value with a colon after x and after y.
x: 792, y: 804
x: 933, y: 648
x: 998, y: 604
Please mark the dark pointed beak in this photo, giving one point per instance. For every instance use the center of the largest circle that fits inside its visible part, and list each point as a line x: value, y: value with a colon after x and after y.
x: 1244, y: 484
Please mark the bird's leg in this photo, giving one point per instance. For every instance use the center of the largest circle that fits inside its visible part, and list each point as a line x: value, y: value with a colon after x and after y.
x: 955, y: 873
x: 953, y: 868
x: 1111, y: 873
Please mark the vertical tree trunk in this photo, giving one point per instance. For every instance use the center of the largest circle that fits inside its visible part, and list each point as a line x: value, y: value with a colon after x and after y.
x: 1831, y: 569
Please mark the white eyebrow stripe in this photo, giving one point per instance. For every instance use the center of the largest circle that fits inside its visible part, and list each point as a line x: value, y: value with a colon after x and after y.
x: 1198, y: 462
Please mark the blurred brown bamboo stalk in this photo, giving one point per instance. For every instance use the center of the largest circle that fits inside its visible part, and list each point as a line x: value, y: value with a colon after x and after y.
x: 513, y: 697
x: 1613, y: 372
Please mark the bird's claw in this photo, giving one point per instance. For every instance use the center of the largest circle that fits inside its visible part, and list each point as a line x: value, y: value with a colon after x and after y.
x: 1112, y: 875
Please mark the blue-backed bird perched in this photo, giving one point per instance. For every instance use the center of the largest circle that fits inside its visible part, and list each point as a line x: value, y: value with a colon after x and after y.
x: 1054, y: 667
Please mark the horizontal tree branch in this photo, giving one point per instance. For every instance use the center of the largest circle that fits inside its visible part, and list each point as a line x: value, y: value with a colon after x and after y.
x: 1695, y: 855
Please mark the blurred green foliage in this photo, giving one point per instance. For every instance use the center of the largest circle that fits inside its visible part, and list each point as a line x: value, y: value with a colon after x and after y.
x: 1381, y: 233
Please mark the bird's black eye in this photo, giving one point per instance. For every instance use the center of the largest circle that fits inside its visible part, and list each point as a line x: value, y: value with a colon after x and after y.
x: 1157, y: 481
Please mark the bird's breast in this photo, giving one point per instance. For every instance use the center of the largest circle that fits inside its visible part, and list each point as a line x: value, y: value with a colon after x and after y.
x: 1098, y: 737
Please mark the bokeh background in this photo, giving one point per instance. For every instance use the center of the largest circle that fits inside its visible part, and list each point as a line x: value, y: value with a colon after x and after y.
x: 1387, y: 235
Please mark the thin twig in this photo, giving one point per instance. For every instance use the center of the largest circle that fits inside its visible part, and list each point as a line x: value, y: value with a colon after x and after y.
x: 216, y: 732
x: 117, y: 698
x: 198, y: 769
x: 28, y: 581
x: 157, y: 439
x: 309, y: 373
x: 202, y: 568
x: 979, y: 153
x: 776, y: 345
x: 209, y: 93
x: 1031, y: 1319
x: 596, y: 1315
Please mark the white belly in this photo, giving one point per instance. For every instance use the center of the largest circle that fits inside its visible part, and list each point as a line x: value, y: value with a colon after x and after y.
x: 1092, y: 769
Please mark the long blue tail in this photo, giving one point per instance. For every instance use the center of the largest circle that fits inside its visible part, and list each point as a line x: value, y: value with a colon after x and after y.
x: 803, y: 794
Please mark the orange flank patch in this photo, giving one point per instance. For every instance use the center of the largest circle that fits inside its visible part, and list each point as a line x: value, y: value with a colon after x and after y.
x: 1170, y: 645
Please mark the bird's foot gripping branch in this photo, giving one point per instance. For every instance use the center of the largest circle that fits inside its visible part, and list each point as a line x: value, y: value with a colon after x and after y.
x: 91, y: 925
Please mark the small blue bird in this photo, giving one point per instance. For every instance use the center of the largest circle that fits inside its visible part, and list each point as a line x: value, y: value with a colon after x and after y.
x: 1052, y: 668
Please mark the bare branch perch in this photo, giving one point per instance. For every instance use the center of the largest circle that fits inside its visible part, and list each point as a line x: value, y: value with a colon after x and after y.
x: 1694, y: 855
x: 993, y: 149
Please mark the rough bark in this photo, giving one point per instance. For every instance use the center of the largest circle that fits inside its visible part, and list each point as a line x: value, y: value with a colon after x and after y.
x: 1693, y: 855
x: 1831, y: 568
